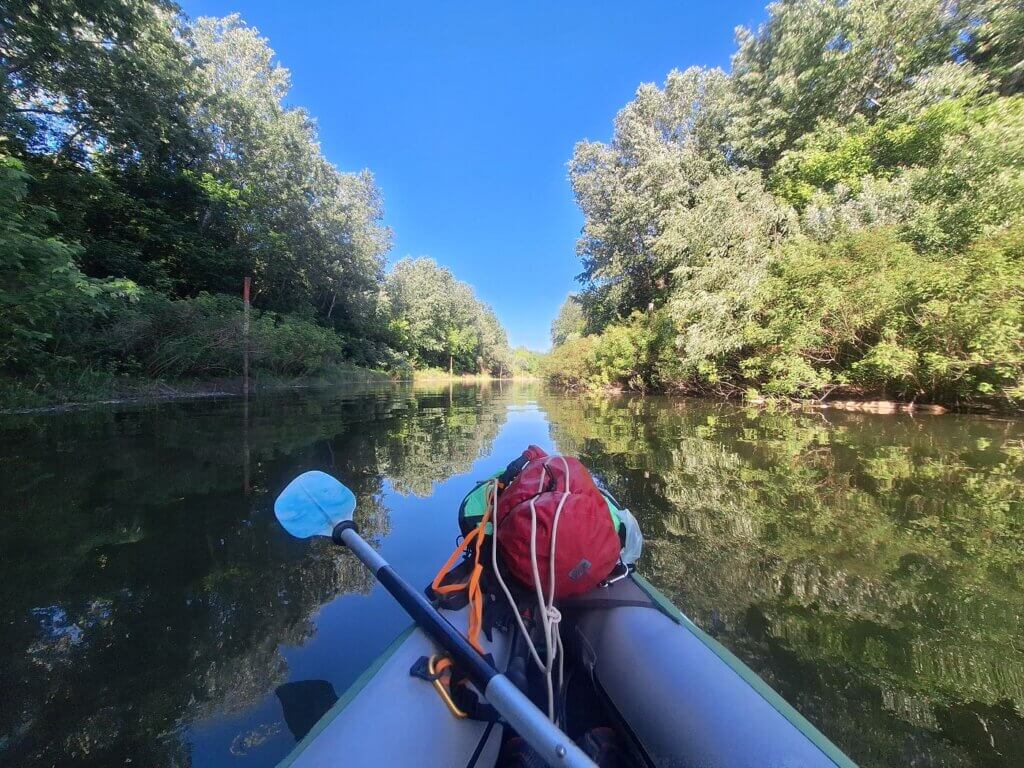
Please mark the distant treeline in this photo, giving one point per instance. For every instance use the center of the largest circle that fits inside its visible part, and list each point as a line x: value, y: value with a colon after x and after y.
x: 147, y: 165
x: 843, y: 212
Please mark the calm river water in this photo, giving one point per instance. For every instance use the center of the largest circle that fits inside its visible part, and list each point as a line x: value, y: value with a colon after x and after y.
x: 871, y: 568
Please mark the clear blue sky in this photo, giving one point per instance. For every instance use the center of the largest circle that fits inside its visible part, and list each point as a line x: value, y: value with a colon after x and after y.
x: 468, y: 112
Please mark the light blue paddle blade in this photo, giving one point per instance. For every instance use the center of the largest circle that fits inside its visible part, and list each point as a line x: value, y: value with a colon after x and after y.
x: 312, y: 504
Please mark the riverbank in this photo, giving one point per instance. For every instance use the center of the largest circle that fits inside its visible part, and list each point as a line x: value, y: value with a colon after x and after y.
x: 91, y: 388
x: 866, y: 403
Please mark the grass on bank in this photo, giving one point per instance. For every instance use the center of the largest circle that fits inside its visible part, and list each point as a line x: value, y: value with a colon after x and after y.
x: 154, y: 347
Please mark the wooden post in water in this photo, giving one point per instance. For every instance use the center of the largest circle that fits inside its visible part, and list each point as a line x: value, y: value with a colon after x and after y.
x: 245, y: 336
x: 451, y: 366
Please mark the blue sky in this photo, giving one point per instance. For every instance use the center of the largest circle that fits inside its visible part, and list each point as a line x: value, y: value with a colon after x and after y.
x: 468, y: 112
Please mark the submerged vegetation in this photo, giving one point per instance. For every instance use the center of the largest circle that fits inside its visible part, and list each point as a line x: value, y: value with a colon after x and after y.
x: 148, y: 164
x: 842, y: 213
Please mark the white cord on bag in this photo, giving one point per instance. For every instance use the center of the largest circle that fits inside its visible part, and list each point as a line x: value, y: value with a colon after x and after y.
x: 549, y: 615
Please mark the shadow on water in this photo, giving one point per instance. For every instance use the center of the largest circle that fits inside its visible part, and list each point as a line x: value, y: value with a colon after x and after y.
x: 151, y: 609
x: 303, y: 703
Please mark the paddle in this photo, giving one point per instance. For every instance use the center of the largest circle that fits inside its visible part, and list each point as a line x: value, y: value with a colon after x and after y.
x: 316, y: 504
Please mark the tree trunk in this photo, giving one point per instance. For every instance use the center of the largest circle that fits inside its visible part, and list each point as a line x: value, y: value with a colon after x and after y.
x: 451, y: 366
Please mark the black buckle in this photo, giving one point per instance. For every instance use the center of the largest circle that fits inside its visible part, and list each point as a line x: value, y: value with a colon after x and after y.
x: 421, y: 670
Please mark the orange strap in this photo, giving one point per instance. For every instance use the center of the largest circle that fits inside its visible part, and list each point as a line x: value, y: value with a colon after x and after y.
x: 476, y: 598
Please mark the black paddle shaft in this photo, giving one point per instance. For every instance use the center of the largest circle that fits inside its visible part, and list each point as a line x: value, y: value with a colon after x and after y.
x: 437, y: 628
x: 519, y: 712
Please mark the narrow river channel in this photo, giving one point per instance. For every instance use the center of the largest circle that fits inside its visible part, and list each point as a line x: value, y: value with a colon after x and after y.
x: 870, y: 568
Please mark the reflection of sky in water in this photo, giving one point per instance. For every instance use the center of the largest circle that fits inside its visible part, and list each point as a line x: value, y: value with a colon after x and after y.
x: 55, y: 625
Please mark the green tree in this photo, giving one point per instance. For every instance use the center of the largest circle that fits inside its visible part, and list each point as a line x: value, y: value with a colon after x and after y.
x: 438, y: 319
x: 801, y: 224
x: 667, y: 142
x: 313, y: 234
x: 867, y: 312
x: 831, y: 60
x: 722, y: 244
x: 526, y: 362
x: 153, y: 165
x: 996, y: 41
x: 38, y: 276
x: 569, y: 324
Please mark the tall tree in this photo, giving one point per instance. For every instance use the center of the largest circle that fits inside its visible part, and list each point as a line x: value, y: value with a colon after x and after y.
x: 853, y: 140
x: 313, y: 234
x: 109, y: 76
x: 569, y: 324
x: 994, y: 40
x: 666, y: 143
x: 834, y: 59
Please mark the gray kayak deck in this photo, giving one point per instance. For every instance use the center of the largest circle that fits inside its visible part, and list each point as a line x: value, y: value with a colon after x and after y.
x: 393, y: 718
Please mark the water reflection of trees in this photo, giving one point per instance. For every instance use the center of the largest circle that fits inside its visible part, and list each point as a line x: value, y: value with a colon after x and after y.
x: 145, y: 582
x: 447, y: 429
x: 869, y: 567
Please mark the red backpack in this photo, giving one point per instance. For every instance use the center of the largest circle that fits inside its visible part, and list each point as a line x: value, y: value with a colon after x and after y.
x: 586, y: 542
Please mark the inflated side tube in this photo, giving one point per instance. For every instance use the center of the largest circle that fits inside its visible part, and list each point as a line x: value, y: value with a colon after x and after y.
x: 688, y: 700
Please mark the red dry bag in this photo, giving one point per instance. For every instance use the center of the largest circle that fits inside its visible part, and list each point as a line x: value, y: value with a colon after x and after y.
x: 585, y: 542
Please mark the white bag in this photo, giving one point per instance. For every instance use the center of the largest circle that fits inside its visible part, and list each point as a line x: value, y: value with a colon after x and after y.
x: 634, y: 538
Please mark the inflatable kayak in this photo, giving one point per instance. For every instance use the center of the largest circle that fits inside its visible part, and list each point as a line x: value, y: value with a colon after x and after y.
x: 672, y: 694
x: 638, y: 683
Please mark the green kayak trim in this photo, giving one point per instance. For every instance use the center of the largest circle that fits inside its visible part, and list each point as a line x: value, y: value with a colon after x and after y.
x: 346, y: 698
x: 754, y: 680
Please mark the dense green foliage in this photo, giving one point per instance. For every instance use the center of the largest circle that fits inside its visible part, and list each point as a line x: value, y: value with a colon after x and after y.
x: 526, y: 362
x: 439, y: 321
x: 148, y: 163
x: 569, y: 324
x: 843, y: 212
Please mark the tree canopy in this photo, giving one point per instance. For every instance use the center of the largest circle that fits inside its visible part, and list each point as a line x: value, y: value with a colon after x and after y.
x: 842, y: 211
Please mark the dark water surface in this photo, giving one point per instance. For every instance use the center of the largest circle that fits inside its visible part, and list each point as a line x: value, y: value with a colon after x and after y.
x: 869, y: 567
